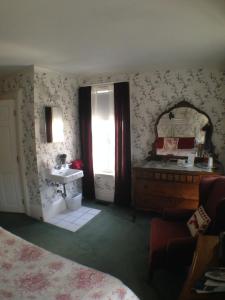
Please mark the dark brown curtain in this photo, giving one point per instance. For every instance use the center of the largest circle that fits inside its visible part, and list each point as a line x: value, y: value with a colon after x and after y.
x: 86, y: 141
x: 122, y: 143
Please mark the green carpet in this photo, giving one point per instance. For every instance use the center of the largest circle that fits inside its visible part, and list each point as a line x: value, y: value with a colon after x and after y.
x: 110, y: 242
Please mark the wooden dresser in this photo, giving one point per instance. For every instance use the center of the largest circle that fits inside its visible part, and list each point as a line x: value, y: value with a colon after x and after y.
x: 157, y: 186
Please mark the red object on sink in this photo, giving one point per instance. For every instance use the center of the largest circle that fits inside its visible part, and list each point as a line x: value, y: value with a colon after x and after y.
x: 77, y: 164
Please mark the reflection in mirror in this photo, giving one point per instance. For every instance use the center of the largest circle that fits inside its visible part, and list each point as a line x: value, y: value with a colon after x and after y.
x: 54, y: 124
x: 183, y: 130
x: 183, y: 122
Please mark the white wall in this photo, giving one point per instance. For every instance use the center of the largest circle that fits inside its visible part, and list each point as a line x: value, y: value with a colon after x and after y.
x: 24, y: 82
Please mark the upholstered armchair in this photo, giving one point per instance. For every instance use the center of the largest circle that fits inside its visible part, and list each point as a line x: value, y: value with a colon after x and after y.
x: 171, y: 244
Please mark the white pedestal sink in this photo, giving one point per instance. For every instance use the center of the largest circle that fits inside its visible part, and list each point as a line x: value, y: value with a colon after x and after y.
x: 65, y: 175
x: 57, y: 177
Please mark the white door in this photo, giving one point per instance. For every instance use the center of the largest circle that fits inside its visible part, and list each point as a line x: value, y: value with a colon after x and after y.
x: 10, y: 183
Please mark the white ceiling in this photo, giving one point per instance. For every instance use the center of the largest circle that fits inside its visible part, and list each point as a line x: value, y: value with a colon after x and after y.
x: 93, y: 36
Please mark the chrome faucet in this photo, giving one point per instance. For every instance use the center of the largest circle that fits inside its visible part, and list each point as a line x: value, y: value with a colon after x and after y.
x: 58, y: 166
x: 61, y: 160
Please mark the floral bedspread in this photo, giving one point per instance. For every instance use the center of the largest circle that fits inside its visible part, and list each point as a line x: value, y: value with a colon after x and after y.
x: 30, y: 272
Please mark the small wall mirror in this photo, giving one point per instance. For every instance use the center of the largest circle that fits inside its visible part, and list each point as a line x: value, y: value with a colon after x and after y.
x: 54, y: 124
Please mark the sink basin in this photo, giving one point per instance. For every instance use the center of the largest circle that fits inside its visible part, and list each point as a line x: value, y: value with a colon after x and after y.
x: 65, y: 175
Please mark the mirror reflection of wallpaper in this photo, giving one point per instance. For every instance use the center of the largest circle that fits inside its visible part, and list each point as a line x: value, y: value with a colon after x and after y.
x: 185, y: 122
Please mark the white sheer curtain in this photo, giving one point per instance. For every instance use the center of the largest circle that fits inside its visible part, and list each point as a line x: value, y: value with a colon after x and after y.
x: 103, y: 129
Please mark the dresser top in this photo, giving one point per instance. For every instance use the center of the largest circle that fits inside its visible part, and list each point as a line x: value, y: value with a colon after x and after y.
x: 173, y: 166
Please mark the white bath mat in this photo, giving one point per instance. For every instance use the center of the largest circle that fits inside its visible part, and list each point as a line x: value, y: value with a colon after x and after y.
x: 74, y: 220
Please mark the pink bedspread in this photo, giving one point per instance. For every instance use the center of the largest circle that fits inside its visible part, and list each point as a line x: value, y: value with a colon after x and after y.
x: 30, y: 272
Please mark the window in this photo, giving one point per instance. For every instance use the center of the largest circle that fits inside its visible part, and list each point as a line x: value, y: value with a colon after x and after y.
x: 103, y: 129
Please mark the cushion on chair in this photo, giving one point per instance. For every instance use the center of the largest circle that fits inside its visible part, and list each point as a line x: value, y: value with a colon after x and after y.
x: 161, y: 233
x: 199, y: 222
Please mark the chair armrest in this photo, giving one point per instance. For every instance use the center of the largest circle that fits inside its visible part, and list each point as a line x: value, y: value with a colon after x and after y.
x: 180, y: 251
x: 205, y: 187
x: 219, y: 222
x: 177, y: 214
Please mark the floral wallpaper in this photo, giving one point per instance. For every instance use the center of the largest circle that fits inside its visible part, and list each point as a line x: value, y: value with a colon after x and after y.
x: 43, y: 88
x: 151, y: 93
x: 23, y: 81
x: 54, y: 89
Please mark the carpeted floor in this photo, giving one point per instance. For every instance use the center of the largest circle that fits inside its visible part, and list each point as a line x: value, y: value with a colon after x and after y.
x: 111, y: 243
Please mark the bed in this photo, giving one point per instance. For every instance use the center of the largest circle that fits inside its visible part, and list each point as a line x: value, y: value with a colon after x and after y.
x: 28, y: 272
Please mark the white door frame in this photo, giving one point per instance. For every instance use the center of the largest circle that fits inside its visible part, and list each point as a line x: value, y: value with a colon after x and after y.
x: 17, y: 98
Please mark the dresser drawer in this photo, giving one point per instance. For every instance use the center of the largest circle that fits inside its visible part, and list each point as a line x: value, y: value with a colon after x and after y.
x: 166, y: 189
x: 158, y: 189
x: 167, y: 176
